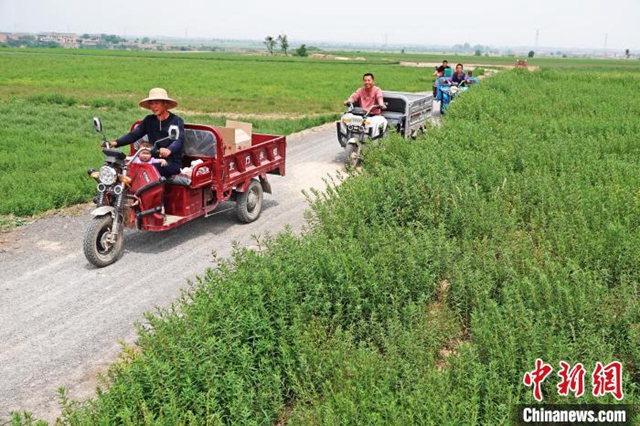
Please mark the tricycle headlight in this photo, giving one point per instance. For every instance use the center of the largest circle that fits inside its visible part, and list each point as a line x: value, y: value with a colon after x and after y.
x: 108, y: 175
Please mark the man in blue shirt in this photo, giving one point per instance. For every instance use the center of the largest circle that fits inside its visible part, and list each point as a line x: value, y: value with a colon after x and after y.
x: 156, y: 126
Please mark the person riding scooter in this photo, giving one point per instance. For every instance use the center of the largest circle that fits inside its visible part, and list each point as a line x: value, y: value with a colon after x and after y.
x: 156, y: 127
x: 368, y: 96
x: 459, y: 76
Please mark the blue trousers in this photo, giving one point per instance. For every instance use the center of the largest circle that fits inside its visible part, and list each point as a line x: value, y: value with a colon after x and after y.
x: 169, y: 170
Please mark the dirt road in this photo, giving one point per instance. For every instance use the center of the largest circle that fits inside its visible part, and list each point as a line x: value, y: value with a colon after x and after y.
x: 61, y: 318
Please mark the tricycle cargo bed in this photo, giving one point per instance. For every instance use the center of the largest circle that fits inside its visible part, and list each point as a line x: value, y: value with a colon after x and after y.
x: 407, y: 112
x: 266, y: 155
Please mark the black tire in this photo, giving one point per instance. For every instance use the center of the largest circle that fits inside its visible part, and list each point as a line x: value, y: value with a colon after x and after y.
x: 249, y: 203
x: 342, y: 140
x: 352, y: 152
x: 97, y: 251
x: 418, y: 133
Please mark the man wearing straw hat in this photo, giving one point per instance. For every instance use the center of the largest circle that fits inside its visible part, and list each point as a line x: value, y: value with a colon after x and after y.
x: 156, y: 127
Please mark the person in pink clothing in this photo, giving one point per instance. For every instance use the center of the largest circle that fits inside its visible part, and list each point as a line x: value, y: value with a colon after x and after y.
x: 145, y: 156
x: 368, y: 95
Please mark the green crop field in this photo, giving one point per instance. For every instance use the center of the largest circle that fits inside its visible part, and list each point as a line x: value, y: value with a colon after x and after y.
x: 491, y: 61
x: 48, y: 97
x: 429, y: 283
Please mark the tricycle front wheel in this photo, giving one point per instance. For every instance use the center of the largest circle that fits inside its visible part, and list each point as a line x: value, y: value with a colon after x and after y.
x: 352, y: 152
x: 249, y: 203
x: 97, y: 248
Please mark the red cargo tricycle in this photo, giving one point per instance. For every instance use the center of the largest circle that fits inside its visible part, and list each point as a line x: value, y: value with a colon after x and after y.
x: 134, y: 195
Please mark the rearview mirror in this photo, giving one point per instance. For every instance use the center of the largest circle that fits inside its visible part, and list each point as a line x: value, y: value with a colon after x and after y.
x: 174, y: 132
x: 97, y: 124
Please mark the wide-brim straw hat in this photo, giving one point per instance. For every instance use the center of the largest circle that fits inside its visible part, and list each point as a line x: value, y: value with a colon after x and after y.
x: 158, y: 94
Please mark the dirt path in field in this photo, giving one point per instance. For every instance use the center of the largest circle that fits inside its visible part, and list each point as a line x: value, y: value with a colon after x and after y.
x: 467, y: 66
x: 62, y: 318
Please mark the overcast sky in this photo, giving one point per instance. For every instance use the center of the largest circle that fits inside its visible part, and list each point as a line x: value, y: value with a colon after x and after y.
x: 561, y: 23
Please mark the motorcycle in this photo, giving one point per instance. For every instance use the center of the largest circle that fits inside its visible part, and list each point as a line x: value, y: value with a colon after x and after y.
x: 115, y: 202
x: 356, y: 127
x: 448, y: 91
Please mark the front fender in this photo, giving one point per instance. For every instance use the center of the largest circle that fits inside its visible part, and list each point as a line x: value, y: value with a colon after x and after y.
x: 103, y: 211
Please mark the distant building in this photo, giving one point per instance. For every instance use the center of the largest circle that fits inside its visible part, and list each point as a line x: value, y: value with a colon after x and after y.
x: 92, y: 40
x: 3, y: 38
x: 68, y: 40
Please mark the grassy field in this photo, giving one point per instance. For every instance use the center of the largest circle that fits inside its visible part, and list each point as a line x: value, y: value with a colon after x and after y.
x: 48, y: 97
x: 500, y: 61
x: 429, y: 283
x: 201, y: 82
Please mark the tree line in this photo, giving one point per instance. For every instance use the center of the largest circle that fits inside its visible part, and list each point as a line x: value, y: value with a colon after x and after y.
x: 282, y: 40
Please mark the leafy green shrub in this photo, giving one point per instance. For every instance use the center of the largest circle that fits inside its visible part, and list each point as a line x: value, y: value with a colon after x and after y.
x: 53, y: 98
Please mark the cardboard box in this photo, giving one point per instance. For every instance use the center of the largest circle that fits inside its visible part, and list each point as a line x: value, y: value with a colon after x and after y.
x: 236, y: 136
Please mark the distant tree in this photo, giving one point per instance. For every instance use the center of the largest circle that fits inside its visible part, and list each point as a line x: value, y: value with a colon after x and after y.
x: 284, y: 43
x: 402, y: 51
x: 564, y: 55
x: 478, y: 52
x: 30, y: 41
x: 145, y: 40
x: 153, y: 42
x: 270, y: 42
x: 85, y: 36
x: 531, y: 53
x: 112, y: 39
x: 302, y: 51
x: 627, y: 53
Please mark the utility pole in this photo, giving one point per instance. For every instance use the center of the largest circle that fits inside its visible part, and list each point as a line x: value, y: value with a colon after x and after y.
x: 537, y: 39
x: 605, y: 44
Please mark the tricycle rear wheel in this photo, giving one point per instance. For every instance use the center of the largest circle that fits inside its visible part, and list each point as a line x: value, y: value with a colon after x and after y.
x: 97, y: 249
x: 249, y: 203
